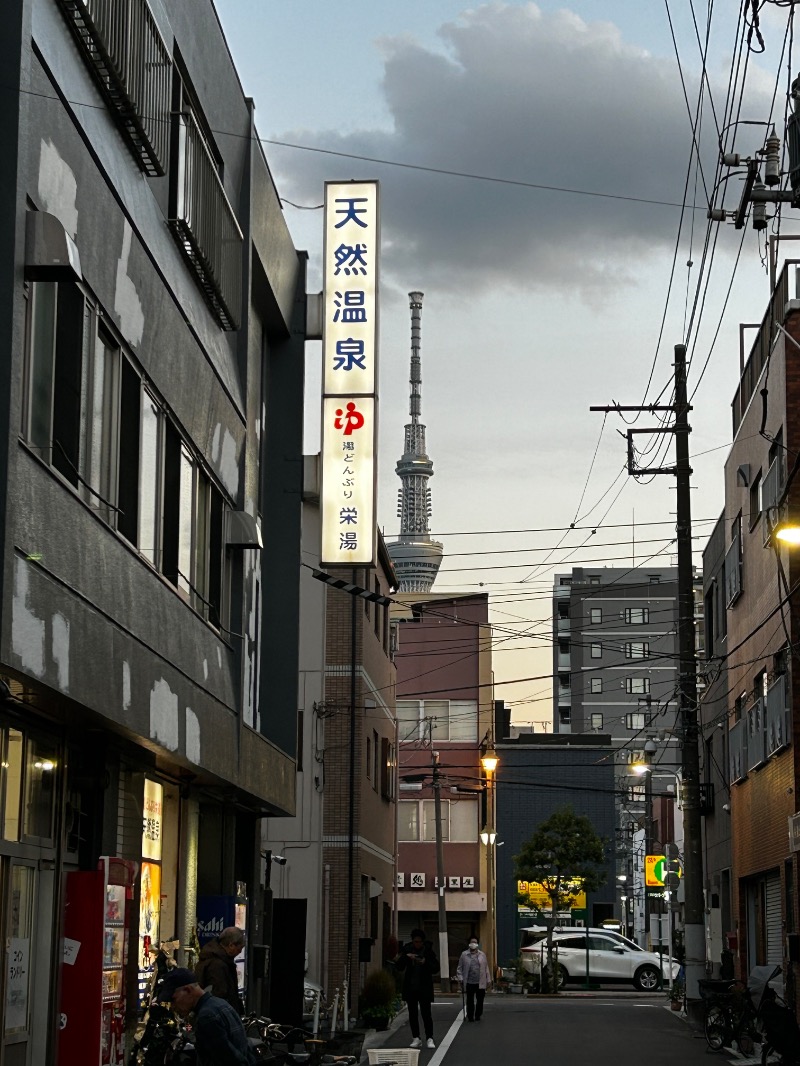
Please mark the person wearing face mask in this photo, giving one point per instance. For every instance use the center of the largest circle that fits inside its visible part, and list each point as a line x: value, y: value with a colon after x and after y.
x: 473, y: 976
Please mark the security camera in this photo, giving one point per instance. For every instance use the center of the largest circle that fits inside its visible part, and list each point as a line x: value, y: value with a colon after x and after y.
x: 279, y: 859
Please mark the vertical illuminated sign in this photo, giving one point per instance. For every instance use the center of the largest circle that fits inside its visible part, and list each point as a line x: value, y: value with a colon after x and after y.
x: 350, y: 373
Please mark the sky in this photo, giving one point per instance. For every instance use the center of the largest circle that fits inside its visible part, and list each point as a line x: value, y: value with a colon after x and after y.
x: 545, y: 172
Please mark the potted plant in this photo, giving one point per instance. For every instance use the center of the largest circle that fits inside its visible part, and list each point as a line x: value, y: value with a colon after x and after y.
x: 378, y: 1000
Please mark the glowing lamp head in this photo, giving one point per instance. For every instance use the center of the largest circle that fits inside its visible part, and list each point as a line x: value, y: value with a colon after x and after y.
x: 489, y: 761
x: 787, y: 533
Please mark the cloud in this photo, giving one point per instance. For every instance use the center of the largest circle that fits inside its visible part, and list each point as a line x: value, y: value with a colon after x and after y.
x: 531, y: 97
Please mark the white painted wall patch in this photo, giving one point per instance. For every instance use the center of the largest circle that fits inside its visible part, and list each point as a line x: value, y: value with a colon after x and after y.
x: 164, y: 715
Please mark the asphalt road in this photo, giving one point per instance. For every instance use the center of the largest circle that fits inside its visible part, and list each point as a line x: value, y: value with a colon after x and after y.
x: 570, y: 1030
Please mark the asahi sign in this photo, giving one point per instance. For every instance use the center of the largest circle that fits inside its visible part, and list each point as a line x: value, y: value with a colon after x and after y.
x: 350, y: 373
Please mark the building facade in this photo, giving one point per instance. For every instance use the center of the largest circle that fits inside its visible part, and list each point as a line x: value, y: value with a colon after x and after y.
x: 715, y: 787
x: 760, y: 575
x: 537, y: 775
x: 354, y: 733
x: 445, y: 724
x: 152, y: 316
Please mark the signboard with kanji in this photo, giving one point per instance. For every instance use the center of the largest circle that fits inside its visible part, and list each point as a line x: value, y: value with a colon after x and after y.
x: 350, y: 373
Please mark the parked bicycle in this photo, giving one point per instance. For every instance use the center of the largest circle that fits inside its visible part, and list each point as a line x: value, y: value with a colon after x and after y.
x: 288, y: 1045
x: 730, y: 1016
x: 781, y: 1031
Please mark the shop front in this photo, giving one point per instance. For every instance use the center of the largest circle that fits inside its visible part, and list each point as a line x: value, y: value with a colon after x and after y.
x: 32, y: 764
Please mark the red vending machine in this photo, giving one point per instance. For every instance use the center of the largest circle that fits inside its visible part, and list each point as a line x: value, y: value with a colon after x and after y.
x: 96, y: 928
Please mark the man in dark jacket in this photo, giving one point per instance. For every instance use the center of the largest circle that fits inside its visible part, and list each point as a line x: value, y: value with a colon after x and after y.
x: 220, y: 1038
x: 216, y: 968
x: 419, y: 965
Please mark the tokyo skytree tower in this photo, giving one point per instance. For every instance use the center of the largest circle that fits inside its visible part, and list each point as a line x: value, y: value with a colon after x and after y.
x: 416, y: 556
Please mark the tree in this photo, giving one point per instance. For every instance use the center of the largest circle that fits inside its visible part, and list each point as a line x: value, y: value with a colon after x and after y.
x: 565, y: 856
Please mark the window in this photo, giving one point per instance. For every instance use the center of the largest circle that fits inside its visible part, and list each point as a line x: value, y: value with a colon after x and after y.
x: 376, y: 759
x: 87, y: 414
x: 636, y: 720
x: 594, y: 580
x: 408, y: 819
x: 377, y: 589
x: 78, y: 394
x: 563, y: 647
x: 437, y: 720
x: 654, y: 579
x: 565, y: 582
x: 192, y: 551
x: 368, y: 758
x: 200, y: 215
x: 596, y: 720
x: 595, y: 615
x: 636, y: 793
x: 637, y: 649
x: 595, y: 685
x: 637, y: 685
x: 755, y: 500
x: 637, y: 616
x: 596, y: 651
x: 417, y: 820
x: 388, y: 768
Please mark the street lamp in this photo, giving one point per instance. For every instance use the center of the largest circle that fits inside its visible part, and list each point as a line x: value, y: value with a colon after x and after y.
x: 788, y: 532
x: 490, y: 762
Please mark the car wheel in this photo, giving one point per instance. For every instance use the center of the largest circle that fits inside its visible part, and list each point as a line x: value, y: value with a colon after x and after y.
x: 646, y: 979
x: 562, y: 978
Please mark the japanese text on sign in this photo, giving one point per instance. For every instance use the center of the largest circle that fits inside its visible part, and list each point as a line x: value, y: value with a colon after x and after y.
x: 349, y: 349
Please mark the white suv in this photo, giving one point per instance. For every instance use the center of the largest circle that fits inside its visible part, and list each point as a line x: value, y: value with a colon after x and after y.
x: 611, y: 958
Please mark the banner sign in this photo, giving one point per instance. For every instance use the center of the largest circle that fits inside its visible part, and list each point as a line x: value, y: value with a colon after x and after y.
x: 350, y: 373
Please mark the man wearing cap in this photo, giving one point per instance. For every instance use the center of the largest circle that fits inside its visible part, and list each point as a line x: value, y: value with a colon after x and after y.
x: 220, y: 1038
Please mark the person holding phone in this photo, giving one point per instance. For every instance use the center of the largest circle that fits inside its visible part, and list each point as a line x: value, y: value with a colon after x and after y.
x: 419, y: 965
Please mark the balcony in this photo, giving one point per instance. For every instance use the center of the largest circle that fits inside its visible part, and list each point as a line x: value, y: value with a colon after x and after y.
x: 777, y: 725
x: 204, y: 224
x: 563, y: 661
x: 563, y: 625
x: 786, y: 288
x: 756, y: 735
x: 737, y: 751
x: 121, y: 43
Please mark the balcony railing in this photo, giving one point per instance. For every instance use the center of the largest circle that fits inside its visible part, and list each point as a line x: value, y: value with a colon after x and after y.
x: 204, y: 224
x: 778, y: 721
x: 737, y: 751
x: 756, y: 735
x: 131, y: 63
x: 785, y: 289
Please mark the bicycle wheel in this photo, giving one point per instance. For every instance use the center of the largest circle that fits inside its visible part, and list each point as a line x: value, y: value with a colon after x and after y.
x: 715, y: 1025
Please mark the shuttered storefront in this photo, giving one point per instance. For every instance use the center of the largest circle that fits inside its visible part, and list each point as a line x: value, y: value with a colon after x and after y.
x: 772, y: 919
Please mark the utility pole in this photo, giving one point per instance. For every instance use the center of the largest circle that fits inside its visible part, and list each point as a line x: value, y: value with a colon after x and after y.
x: 694, y: 910
x: 444, y: 966
x: 694, y: 927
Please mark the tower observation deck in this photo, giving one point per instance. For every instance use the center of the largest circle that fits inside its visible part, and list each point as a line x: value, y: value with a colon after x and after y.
x: 416, y: 556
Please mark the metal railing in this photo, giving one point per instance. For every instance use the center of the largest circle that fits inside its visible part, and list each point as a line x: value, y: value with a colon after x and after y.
x: 204, y: 224
x: 132, y: 65
x: 785, y: 289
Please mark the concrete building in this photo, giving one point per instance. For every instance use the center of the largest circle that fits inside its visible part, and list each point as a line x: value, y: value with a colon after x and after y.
x: 763, y: 705
x: 354, y: 732
x: 715, y: 786
x: 444, y: 705
x: 152, y: 318
x: 538, y: 774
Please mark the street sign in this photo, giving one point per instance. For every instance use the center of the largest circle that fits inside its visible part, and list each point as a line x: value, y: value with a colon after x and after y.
x: 660, y: 872
x: 654, y: 868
